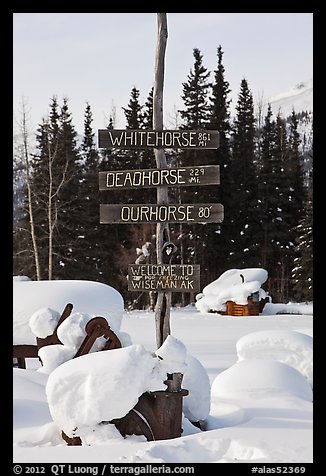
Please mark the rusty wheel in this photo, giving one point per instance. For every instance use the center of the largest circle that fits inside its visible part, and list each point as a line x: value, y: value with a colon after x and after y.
x: 95, y: 324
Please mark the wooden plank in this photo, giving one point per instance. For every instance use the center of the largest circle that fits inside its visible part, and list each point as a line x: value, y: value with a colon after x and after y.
x: 170, y: 213
x: 157, y: 139
x: 171, y: 177
x: 164, y: 277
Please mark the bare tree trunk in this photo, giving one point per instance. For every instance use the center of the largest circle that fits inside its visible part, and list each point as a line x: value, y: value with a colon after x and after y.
x: 52, y: 212
x: 163, y: 303
x: 49, y: 210
x: 25, y: 155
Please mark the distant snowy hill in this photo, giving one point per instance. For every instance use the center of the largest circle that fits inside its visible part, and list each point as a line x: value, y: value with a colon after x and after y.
x: 299, y: 98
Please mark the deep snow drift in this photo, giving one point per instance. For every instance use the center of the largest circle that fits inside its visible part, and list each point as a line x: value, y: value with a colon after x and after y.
x: 249, y: 381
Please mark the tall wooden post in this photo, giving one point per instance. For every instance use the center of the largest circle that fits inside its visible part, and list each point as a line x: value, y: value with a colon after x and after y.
x: 163, y: 303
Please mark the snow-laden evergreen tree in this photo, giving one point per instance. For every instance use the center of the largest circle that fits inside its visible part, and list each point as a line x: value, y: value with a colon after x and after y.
x: 283, y: 230
x: 196, y: 114
x: 245, y: 224
x: 92, y: 236
x: 268, y: 190
x: 148, y: 111
x: 295, y: 172
x: 128, y: 237
x: 278, y: 179
x: 195, y: 91
x: 131, y: 159
x: 68, y: 250
x: 133, y: 111
x: 218, y: 235
x: 302, y: 273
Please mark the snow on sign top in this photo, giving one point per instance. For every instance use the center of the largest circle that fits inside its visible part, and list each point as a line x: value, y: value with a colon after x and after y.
x: 96, y: 299
x: 233, y: 285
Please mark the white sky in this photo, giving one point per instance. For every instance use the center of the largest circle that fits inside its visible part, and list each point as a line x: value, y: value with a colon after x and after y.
x: 100, y: 57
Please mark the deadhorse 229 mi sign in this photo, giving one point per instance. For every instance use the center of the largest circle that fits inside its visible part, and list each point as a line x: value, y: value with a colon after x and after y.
x: 170, y: 177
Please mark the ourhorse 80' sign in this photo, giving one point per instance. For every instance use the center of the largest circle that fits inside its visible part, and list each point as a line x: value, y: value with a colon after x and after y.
x: 171, y: 213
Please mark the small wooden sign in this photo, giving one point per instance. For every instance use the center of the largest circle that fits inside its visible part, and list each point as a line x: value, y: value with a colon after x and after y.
x: 150, y: 139
x: 171, y: 213
x: 171, y: 177
x: 164, y: 277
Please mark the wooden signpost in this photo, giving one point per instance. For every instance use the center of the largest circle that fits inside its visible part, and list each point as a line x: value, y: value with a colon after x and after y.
x: 170, y: 177
x: 163, y: 277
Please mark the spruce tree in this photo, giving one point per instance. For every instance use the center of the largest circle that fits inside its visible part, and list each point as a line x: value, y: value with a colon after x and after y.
x: 90, y: 236
x: 113, y: 239
x: 295, y: 172
x: 218, y: 235
x: 127, y: 237
x: 284, y: 253
x: 67, y: 180
x: 191, y: 238
x: 131, y: 159
x: 277, y: 240
x: 302, y: 272
x: 245, y: 183
x: 194, y: 95
x: 268, y: 190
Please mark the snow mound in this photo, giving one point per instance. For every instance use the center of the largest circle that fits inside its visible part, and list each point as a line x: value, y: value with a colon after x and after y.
x: 290, y: 347
x: 96, y: 299
x: 260, y: 379
x: 102, y: 386
x: 54, y: 355
x: 174, y: 352
x: 233, y: 285
x: 196, y: 405
x: 97, y: 387
x: 44, y: 321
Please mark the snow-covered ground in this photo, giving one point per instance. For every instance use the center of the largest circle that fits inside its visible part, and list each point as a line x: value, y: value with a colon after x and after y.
x: 259, y: 374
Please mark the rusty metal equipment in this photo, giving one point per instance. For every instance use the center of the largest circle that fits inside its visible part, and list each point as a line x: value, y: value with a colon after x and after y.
x: 53, y: 338
x: 98, y: 327
x: 157, y: 415
x: 22, y: 352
